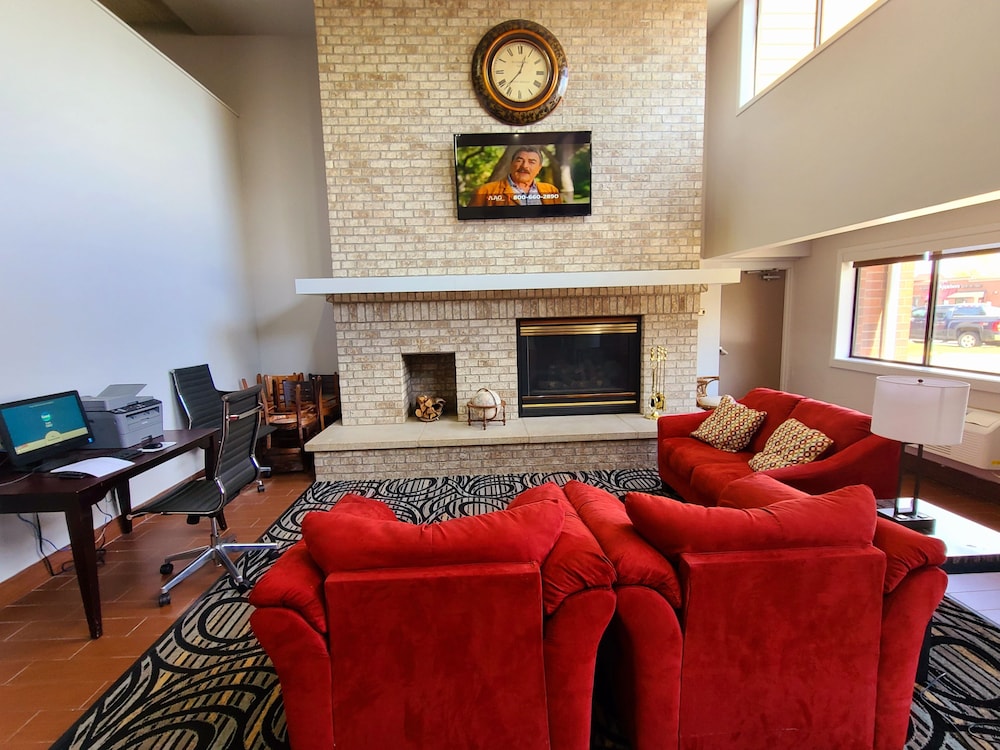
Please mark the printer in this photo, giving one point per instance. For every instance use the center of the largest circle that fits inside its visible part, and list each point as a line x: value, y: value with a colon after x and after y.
x: 120, y: 417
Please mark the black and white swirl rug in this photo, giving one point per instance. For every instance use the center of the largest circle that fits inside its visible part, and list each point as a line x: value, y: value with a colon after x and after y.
x: 207, y: 684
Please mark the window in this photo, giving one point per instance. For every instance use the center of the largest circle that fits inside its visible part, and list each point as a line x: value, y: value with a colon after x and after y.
x: 934, y: 310
x: 788, y: 30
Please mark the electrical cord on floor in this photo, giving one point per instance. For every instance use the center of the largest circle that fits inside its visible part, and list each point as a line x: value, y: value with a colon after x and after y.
x: 36, y: 527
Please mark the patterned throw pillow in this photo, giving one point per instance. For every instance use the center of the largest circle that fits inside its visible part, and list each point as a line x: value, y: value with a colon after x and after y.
x: 791, y: 443
x: 731, y: 426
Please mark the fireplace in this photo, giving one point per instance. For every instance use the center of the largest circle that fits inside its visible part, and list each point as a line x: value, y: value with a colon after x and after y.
x: 578, y: 366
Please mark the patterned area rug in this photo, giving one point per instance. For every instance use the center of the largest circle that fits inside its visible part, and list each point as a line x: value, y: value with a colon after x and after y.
x: 206, y: 684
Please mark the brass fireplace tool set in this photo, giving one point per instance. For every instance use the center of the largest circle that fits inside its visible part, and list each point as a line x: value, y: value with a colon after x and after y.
x: 657, y: 356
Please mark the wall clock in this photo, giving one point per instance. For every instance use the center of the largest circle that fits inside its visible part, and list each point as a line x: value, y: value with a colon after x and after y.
x: 519, y: 72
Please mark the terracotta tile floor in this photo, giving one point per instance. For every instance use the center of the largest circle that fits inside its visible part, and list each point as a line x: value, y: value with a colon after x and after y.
x: 50, y: 670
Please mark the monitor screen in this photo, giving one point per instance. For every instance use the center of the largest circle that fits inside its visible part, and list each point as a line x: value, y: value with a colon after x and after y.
x: 522, y: 175
x: 45, y: 427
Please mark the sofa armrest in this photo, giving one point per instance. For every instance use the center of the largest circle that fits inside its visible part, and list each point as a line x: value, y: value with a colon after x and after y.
x: 294, y: 583
x: 680, y: 425
x: 301, y: 659
x: 873, y: 461
x: 905, y: 550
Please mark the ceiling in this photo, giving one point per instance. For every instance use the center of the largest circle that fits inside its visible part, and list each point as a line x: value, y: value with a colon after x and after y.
x: 254, y: 17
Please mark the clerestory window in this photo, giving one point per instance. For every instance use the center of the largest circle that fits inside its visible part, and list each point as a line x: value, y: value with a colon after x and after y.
x: 786, y: 31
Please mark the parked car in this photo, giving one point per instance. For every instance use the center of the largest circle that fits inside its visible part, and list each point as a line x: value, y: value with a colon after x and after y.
x: 966, y: 325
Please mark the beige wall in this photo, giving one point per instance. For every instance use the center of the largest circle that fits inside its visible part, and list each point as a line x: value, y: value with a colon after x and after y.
x: 896, y: 115
x: 395, y: 86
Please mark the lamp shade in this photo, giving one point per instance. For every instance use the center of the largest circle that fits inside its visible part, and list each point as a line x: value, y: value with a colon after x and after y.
x: 922, y: 411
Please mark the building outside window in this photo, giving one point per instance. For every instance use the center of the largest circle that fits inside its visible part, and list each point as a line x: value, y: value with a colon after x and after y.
x: 934, y: 310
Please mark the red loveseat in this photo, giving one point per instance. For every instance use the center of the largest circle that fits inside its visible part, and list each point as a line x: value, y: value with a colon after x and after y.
x: 745, y: 628
x: 479, y: 631
x: 699, y: 472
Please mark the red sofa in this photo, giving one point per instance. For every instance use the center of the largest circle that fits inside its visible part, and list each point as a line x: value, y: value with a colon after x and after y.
x: 700, y: 473
x: 745, y: 628
x: 479, y: 631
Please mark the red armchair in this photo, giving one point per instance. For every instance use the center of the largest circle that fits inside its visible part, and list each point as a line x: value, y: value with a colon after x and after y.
x: 744, y: 628
x: 700, y: 473
x: 475, y: 632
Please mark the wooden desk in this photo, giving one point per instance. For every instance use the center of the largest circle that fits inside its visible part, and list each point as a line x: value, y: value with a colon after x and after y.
x: 47, y: 493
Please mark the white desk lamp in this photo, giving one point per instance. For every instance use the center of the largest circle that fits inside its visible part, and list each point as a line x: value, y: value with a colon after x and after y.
x: 918, y: 411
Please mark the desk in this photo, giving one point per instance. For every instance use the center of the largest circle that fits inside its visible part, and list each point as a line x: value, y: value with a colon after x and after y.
x: 47, y: 493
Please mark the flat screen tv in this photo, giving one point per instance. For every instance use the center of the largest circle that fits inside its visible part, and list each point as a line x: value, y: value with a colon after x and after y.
x: 37, y: 432
x: 522, y: 175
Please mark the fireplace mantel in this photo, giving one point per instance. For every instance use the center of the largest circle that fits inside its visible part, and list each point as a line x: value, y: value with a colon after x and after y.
x: 514, y: 281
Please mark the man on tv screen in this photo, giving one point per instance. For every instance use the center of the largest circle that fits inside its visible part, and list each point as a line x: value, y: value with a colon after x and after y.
x: 519, y: 188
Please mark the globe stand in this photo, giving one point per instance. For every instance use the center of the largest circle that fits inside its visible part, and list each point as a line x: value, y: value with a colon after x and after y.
x: 485, y: 413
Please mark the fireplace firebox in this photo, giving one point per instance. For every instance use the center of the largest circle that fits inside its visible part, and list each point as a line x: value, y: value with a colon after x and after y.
x: 578, y: 366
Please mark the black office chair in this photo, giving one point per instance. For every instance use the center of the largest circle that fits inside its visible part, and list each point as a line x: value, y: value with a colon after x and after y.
x: 202, y: 403
x: 198, y: 396
x: 235, y: 468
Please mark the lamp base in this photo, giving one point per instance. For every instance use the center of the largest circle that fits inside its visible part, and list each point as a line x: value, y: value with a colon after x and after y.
x: 917, y: 521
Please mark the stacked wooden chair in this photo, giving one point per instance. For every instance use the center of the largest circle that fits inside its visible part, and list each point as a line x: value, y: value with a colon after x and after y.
x: 290, y: 407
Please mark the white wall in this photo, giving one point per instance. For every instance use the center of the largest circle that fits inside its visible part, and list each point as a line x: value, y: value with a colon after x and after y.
x: 120, y: 225
x: 273, y: 85
x: 898, y: 114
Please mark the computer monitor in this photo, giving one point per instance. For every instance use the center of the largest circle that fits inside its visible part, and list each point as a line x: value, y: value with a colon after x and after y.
x: 37, y: 432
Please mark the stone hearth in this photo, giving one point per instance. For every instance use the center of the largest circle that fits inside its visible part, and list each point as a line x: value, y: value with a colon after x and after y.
x: 451, y: 447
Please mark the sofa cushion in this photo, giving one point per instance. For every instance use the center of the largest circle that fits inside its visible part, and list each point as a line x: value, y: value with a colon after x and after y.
x: 731, y: 425
x: 842, y: 425
x: 576, y: 562
x: 710, y: 478
x: 792, y: 443
x: 757, y: 491
x: 347, y: 542
x: 843, y: 518
x: 777, y: 404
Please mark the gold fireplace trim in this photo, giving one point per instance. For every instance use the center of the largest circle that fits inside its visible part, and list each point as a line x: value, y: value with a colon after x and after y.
x: 578, y: 329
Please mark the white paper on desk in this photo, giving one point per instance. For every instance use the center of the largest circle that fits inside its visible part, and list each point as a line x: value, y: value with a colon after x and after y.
x: 96, y: 467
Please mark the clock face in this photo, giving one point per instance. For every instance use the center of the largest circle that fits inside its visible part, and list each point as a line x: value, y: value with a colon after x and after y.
x: 520, y: 71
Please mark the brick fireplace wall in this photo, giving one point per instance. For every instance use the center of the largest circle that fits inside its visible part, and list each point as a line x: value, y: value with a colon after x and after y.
x: 375, y: 335
x: 395, y: 87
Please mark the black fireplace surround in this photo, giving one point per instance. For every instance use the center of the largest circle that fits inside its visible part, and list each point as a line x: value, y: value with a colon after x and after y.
x: 578, y: 366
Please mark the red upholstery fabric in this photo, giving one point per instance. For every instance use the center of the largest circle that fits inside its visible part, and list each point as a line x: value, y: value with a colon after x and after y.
x: 906, y: 550
x: 777, y: 404
x: 780, y: 649
x: 856, y: 457
x: 842, y: 518
x: 352, y: 543
x: 467, y: 642
x: 745, y: 614
x: 428, y: 657
x: 576, y: 562
x: 635, y: 562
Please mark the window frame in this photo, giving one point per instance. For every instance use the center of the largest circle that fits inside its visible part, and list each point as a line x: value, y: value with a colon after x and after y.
x: 748, y: 92
x: 946, y: 243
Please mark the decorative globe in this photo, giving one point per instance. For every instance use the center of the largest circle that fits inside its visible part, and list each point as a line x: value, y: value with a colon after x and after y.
x: 488, y: 400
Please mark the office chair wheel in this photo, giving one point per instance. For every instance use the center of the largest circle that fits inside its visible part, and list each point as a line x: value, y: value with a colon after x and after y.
x: 273, y: 554
x: 164, y: 599
x: 165, y: 570
x: 260, y: 488
x: 242, y: 587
